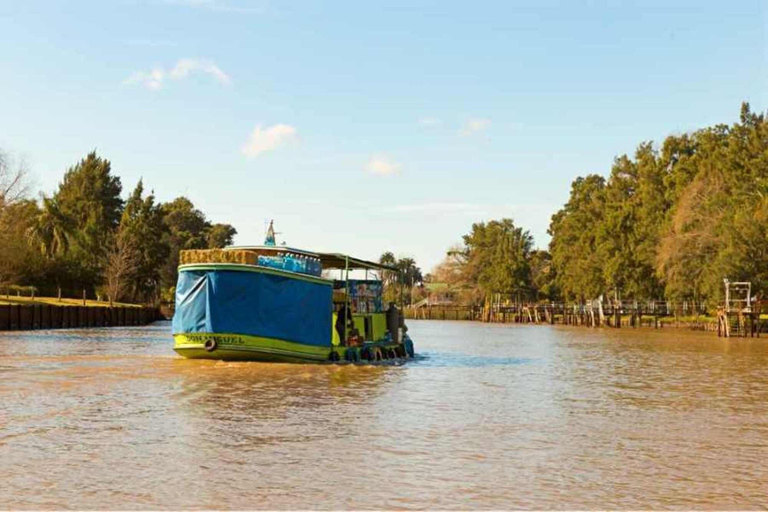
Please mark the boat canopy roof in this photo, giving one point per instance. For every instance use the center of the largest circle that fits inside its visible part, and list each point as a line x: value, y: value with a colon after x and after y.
x: 339, y: 261
x: 330, y: 260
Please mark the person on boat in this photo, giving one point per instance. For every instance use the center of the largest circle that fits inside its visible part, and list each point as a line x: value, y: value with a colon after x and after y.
x: 343, y: 312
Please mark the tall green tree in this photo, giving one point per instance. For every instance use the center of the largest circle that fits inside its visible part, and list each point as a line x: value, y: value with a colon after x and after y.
x: 143, y: 230
x: 574, y: 240
x: 89, y: 196
x: 497, y: 257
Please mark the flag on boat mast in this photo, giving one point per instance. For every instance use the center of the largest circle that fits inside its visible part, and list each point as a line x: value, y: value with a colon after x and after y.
x: 270, y: 239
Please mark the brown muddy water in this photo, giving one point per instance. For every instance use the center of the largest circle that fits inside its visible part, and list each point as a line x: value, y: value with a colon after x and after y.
x: 488, y: 417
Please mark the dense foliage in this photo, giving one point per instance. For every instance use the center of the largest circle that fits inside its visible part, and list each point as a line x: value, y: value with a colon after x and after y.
x: 671, y: 222
x: 86, y: 237
x: 496, y: 258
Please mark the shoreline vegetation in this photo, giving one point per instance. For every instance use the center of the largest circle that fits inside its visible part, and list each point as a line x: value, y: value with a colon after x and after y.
x: 85, y: 241
x: 666, y: 224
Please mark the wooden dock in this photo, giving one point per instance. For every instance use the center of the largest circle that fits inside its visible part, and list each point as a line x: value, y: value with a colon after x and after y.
x: 653, y: 314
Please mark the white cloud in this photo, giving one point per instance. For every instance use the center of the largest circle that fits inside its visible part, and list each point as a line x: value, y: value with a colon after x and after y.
x: 157, y: 77
x: 152, y: 80
x: 267, y: 139
x: 475, y: 125
x: 184, y: 67
x: 429, y: 121
x: 382, y: 166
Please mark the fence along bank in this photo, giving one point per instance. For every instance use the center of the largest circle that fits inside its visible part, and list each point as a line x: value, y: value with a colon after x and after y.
x: 49, y: 316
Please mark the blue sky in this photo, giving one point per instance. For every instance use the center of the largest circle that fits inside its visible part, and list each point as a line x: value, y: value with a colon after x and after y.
x: 363, y: 126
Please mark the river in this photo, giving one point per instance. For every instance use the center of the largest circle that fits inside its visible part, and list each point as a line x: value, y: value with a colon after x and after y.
x: 488, y: 416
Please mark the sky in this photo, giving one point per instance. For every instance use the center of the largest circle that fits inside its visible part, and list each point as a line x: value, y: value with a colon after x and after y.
x: 363, y: 127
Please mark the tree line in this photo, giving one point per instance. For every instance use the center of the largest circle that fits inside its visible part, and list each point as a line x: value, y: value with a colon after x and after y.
x: 86, y: 237
x: 668, y: 223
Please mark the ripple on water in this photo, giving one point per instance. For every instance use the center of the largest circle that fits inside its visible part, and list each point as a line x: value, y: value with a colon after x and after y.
x: 487, y: 416
x: 460, y: 360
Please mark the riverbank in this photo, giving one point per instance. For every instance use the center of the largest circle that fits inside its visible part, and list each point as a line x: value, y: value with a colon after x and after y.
x: 25, y: 313
x: 55, y: 301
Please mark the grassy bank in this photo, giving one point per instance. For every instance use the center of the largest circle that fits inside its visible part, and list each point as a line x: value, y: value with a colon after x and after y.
x: 53, y: 301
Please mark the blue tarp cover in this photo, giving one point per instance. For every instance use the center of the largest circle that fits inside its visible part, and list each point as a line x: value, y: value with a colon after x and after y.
x: 254, y: 303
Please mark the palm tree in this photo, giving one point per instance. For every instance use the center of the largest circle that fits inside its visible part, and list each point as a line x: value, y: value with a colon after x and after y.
x: 51, y: 231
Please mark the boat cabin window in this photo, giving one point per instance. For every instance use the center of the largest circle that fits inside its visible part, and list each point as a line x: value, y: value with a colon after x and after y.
x: 364, y: 295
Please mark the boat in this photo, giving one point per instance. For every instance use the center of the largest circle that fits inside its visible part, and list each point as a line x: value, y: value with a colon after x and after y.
x: 274, y: 303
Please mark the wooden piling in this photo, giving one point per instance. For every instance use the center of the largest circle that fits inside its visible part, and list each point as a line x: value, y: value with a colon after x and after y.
x: 5, y: 317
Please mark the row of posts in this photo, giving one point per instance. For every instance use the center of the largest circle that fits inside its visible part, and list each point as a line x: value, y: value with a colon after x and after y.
x: 593, y: 314
x: 48, y: 316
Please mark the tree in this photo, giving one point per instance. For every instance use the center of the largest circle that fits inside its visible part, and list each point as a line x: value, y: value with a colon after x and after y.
x: 187, y: 228
x: 452, y: 272
x: 89, y: 196
x: 220, y: 235
x: 14, y: 185
x: 497, y: 257
x: 142, y: 229
x: 399, y: 282
x: 408, y: 276
x: 717, y: 228
x: 123, y: 263
x: 543, y: 276
x: 573, y: 246
x: 15, y: 211
x: 51, y: 230
x: 18, y: 260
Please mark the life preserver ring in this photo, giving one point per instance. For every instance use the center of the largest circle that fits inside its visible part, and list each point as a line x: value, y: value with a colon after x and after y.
x: 210, y: 345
